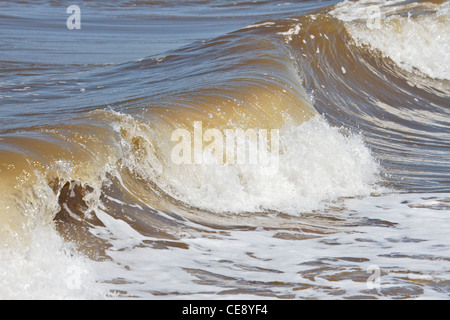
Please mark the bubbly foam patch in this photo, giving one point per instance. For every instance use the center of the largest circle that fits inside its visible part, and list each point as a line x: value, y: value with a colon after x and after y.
x: 415, y: 36
x: 403, y: 236
x: 48, y: 268
x: 317, y: 163
x: 35, y: 261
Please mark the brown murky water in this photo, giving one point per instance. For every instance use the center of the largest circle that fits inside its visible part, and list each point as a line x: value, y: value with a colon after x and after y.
x: 356, y: 209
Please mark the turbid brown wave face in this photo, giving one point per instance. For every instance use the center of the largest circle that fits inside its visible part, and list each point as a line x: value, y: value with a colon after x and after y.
x: 350, y: 100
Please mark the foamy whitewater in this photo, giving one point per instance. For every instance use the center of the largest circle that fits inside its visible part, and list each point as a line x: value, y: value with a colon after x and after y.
x: 418, y: 43
x: 303, y: 178
x: 93, y: 205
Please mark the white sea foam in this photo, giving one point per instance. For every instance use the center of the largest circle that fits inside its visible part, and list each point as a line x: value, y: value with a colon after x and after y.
x: 317, y: 163
x: 49, y: 268
x: 417, y: 42
x: 35, y: 261
x: 290, y: 33
x: 404, y: 236
x: 262, y: 24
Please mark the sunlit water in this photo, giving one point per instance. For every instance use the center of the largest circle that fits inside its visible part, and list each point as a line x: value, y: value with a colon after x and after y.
x: 93, y: 205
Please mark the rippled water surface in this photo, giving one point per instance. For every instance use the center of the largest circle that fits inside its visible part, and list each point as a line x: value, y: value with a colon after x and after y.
x: 93, y: 204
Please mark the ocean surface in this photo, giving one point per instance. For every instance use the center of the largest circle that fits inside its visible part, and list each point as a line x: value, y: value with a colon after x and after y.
x: 96, y: 203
